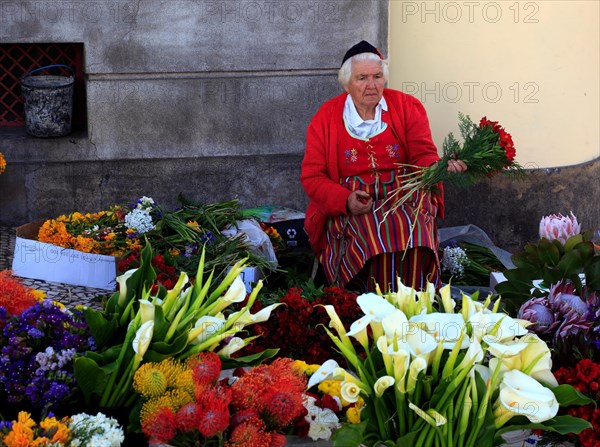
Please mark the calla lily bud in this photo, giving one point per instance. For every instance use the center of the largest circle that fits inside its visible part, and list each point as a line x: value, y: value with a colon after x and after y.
x: 122, y: 281
x: 146, y: 311
x: 382, y: 384
x: 142, y: 339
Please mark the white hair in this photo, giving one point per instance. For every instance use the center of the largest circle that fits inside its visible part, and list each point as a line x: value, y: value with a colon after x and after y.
x: 346, y: 69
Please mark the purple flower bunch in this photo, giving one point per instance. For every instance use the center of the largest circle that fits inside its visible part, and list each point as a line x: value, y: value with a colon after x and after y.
x: 36, y: 355
x: 567, y: 321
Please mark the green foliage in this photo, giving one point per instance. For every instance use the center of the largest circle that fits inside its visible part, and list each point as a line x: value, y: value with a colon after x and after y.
x: 551, y: 262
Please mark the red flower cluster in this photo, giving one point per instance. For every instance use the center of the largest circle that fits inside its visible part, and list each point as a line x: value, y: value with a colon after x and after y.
x: 261, y: 403
x: 295, y: 328
x: 505, y: 139
x: 14, y: 296
x: 585, y: 377
x: 166, y: 273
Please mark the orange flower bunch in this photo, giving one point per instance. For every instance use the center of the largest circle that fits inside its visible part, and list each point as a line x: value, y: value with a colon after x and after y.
x: 90, y: 232
x: 14, y: 296
x: 24, y: 432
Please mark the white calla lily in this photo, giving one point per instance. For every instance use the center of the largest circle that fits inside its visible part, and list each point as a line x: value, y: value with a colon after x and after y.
x: 447, y: 302
x: 324, y: 372
x: 204, y: 328
x: 522, y: 395
x: 236, y: 293
x: 350, y: 392
x: 142, y: 339
x: 247, y: 318
x: 382, y: 384
x: 146, y: 311
x: 122, y: 281
x: 498, y: 326
x: 234, y: 345
x: 446, y: 328
x: 358, y: 330
x: 395, y: 324
x: 417, y: 366
x: 373, y: 305
x: 530, y: 355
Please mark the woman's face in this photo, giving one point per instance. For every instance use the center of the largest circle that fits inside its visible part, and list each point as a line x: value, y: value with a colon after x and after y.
x: 366, y: 84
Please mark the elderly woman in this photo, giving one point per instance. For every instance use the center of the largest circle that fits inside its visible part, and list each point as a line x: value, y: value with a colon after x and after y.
x: 354, y: 146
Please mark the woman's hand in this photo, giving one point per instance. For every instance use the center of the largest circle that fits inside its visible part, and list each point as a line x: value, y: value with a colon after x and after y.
x: 456, y: 166
x: 359, y: 202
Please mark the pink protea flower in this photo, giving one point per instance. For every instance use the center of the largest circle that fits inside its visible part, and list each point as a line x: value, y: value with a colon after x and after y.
x: 559, y: 227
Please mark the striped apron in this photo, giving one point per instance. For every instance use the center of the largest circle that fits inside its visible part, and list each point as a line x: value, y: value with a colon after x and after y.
x: 367, y: 249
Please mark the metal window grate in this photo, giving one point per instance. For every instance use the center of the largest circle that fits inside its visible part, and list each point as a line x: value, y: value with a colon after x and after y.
x: 17, y: 59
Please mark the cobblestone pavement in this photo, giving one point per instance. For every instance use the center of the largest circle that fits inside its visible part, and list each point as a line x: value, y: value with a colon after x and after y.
x: 66, y: 294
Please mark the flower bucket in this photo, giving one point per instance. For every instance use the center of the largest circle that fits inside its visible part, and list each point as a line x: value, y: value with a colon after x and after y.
x: 48, y: 103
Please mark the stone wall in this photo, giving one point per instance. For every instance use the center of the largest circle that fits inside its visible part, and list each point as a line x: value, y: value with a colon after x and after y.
x: 207, y: 98
x: 211, y: 99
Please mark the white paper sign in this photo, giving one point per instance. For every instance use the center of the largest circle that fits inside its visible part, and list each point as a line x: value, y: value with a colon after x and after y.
x: 39, y: 260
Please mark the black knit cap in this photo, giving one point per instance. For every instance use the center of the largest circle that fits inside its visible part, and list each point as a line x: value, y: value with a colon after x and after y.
x: 361, y: 47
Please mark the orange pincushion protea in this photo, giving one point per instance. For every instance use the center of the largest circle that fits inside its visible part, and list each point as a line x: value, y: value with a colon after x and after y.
x: 14, y: 296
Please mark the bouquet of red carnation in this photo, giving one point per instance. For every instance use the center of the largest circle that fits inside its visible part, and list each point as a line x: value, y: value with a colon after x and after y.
x: 585, y: 378
x: 487, y: 149
x: 299, y: 320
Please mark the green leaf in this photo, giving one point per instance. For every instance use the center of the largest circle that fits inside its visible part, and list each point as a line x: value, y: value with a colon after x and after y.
x: 350, y: 435
x: 103, y: 326
x: 567, y: 395
x: 105, y: 357
x: 548, y: 253
x: 573, y: 241
x: 559, y: 424
x: 592, y: 274
x: 570, y: 264
x: 249, y: 360
x: 91, y: 378
x: 158, y: 350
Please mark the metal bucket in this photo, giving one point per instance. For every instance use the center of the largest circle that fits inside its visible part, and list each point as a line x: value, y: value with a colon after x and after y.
x: 48, y: 103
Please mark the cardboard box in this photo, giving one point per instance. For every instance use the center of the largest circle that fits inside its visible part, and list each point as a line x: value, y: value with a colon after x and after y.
x: 40, y: 260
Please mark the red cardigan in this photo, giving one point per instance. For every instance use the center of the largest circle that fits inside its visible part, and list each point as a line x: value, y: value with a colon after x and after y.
x: 320, y: 174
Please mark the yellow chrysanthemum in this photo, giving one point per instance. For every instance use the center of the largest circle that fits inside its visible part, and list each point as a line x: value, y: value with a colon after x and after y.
x: 24, y: 418
x: 39, y: 295
x: 353, y: 415
x: 305, y: 367
x: 173, y: 400
x: 85, y: 244
x: 60, y: 432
